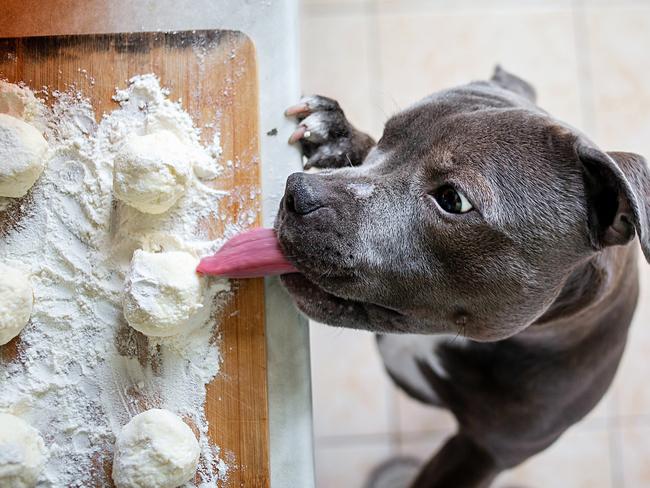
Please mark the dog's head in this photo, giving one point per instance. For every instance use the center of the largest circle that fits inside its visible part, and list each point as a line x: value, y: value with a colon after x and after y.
x: 467, y: 217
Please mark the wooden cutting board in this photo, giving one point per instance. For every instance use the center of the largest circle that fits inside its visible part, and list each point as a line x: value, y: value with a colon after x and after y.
x: 212, y: 72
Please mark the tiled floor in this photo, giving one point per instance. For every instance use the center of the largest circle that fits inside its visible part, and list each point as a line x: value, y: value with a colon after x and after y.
x: 588, y: 61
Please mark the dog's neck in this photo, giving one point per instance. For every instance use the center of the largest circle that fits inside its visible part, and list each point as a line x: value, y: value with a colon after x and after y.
x: 604, y: 282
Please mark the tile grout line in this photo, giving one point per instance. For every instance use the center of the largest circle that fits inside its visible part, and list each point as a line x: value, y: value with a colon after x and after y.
x: 586, y: 90
x: 338, y: 8
x: 472, y: 6
x: 334, y: 9
x: 396, y: 443
x: 617, y: 468
x: 617, y: 471
x: 583, y: 68
x: 347, y: 439
x: 343, y: 440
x: 375, y: 72
x: 419, y: 6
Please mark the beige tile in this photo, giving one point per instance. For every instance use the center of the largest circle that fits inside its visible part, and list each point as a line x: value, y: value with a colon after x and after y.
x: 330, y: 5
x: 631, y: 383
x: 350, y: 388
x: 422, y: 52
x: 422, y: 6
x: 414, y: 416
x: 620, y: 65
x: 618, y: 40
x: 635, y: 454
x: 336, y: 63
x: 580, y: 459
x: 422, y: 446
x: 348, y: 465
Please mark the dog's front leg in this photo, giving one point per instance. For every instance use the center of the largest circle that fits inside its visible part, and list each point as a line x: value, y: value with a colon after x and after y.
x: 461, y: 463
x: 325, y: 136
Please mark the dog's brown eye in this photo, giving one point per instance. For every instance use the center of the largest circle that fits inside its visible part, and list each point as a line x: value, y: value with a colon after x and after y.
x: 451, y: 200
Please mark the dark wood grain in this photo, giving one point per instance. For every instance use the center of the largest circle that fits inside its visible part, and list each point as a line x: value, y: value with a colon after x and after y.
x: 214, y: 73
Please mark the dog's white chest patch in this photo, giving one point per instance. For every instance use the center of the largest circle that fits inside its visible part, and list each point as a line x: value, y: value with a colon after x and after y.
x: 442, y: 340
x: 404, y: 354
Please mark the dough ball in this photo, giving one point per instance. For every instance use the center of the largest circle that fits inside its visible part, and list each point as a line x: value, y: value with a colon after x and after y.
x: 163, y: 292
x: 22, y: 156
x: 22, y: 453
x: 16, y: 301
x: 19, y: 102
x: 156, y: 449
x: 151, y: 172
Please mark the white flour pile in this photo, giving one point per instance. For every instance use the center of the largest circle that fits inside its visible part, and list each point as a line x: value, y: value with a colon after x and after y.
x: 80, y: 368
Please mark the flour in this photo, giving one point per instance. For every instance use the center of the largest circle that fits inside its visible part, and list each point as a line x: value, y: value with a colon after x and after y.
x: 81, y: 372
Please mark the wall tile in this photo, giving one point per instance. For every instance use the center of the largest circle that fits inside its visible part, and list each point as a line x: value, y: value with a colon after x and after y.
x: 578, y: 460
x: 336, y: 63
x: 618, y: 40
x: 422, y: 52
x: 348, y: 465
x: 351, y: 390
x: 632, y: 394
x: 635, y: 454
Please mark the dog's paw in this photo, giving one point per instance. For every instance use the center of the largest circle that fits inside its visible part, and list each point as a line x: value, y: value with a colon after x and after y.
x: 325, y: 136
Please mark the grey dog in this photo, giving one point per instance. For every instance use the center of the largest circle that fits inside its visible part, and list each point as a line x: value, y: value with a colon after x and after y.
x: 500, y: 235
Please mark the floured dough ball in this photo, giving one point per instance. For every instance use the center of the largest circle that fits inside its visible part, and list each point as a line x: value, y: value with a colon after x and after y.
x: 19, y: 101
x: 22, y: 156
x: 151, y: 172
x: 16, y: 301
x: 156, y: 449
x: 163, y: 292
x: 22, y: 453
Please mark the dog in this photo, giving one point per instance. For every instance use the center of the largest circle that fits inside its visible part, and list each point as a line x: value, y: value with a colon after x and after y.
x: 491, y: 249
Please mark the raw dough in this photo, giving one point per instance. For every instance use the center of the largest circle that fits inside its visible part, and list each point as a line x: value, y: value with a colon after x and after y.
x: 156, y: 449
x: 20, y: 102
x: 16, y: 301
x: 163, y: 292
x: 151, y: 172
x: 22, y: 453
x: 22, y: 156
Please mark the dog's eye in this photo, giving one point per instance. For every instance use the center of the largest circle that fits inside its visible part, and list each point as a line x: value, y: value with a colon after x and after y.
x: 451, y: 200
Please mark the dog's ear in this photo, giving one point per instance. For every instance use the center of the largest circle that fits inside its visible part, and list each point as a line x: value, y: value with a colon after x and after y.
x: 513, y: 83
x: 617, y: 185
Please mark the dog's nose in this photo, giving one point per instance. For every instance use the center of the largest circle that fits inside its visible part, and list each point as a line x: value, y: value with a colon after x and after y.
x: 301, y: 195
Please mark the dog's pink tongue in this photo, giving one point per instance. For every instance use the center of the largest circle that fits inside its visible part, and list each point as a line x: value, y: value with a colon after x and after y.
x: 252, y: 254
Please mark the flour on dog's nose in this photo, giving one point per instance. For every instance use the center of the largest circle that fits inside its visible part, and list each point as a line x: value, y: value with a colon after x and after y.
x: 361, y: 190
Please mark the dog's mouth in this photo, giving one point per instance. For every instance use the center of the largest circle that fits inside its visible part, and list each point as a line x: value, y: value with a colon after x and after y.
x: 323, y: 306
x: 315, y: 302
x: 322, y: 296
x: 312, y: 271
x: 259, y: 252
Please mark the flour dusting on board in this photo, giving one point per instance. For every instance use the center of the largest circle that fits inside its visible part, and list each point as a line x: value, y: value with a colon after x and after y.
x: 81, y: 372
